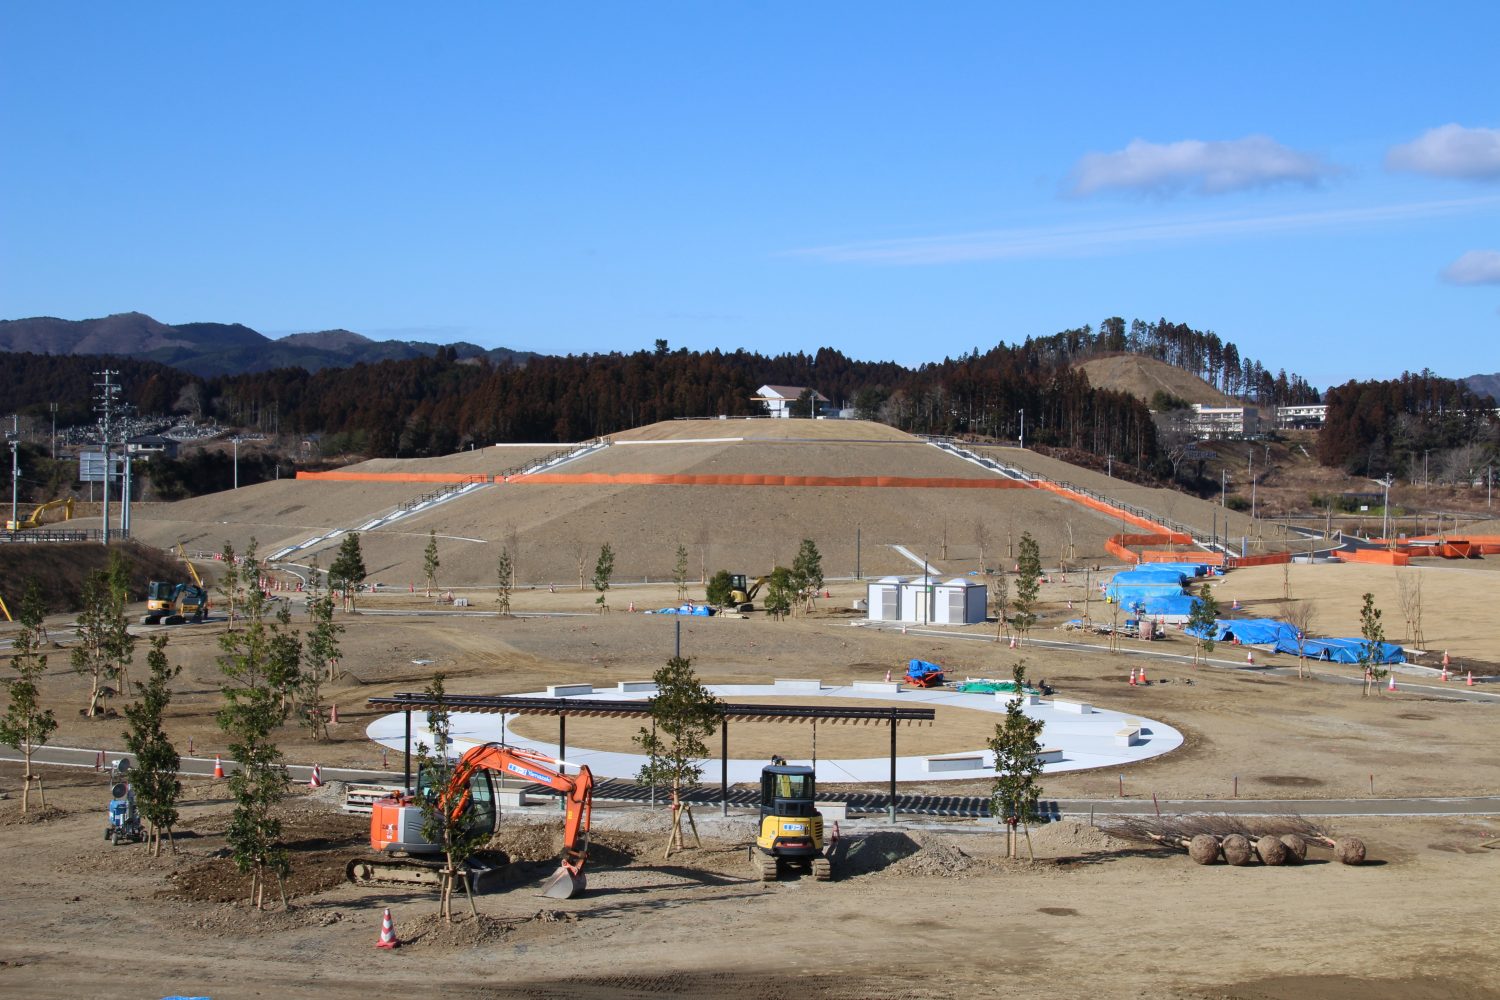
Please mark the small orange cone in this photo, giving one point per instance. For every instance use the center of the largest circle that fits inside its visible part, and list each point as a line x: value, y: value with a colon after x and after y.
x: 887, y: 676
x: 1445, y: 659
x: 333, y: 715
x: 1470, y: 681
x: 1132, y: 677
x: 387, y: 932
x: 316, y: 781
x: 1445, y: 673
x: 218, y: 767
x: 1012, y: 642
x: 1392, y: 685
x: 1250, y: 657
x: 1143, y: 676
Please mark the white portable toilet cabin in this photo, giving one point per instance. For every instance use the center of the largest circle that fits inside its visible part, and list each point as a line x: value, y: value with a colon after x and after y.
x: 885, y: 599
x: 917, y: 599
x: 960, y: 601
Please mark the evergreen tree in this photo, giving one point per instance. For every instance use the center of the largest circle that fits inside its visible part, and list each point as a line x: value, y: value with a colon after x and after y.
x: 1371, y: 653
x: 781, y: 591
x: 92, y: 656
x: 26, y: 725
x: 1015, y: 796
x: 680, y: 572
x: 1028, y: 584
x: 720, y: 589
x: 1200, y: 623
x: 807, y: 571
x: 285, y: 670
x: 119, y: 643
x: 505, y: 574
x: 154, y: 777
x: 430, y: 562
x: 252, y: 710
x: 683, y: 714
x: 348, y: 569
x: 229, y: 582
x: 445, y: 822
x: 603, y: 570
x: 320, y: 652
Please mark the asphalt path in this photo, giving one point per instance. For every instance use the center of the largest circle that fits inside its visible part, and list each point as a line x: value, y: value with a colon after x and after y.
x: 974, y: 806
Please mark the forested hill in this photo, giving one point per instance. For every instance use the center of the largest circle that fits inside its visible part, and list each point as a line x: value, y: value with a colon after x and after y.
x: 1373, y: 428
x: 430, y: 406
x: 1203, y: 353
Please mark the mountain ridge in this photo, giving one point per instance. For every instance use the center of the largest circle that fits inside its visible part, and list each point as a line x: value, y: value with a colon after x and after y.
x: 210, y: 349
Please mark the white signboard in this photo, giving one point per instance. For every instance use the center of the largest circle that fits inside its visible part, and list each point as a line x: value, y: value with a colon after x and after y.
x: 91, y: 467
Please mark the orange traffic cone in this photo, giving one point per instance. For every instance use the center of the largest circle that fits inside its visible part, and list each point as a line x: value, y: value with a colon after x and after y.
x: 1143, y: 676
x: 1470, y: 681
x: 1392, y: 685
x: 333, y: 715
x: 632, y: 607
x: 1012, y: 642
x: 1445, y: 673
x: 387, y: 932
x: 1445, y: 659
x: 218, y: 767
x: 887, y: 676
x: 316, y: 781
x: 1250, y: 657
x: 1132, y: 677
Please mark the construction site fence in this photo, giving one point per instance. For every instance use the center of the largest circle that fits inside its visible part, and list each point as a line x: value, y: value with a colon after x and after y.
x: 35, y: 537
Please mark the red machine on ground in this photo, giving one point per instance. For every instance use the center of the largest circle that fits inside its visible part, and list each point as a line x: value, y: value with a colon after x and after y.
x: 920, y: 673
x: 469, y: 795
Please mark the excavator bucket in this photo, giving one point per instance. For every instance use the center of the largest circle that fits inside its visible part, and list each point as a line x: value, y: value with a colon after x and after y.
x: 564, y: 884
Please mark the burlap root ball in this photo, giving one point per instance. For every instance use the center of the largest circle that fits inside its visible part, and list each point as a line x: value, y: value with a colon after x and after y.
x: 1271, y: 850
x: 1203, y: 849
x: 1349, y: 850
x: 1237, y: 850
x: 1296, y: 848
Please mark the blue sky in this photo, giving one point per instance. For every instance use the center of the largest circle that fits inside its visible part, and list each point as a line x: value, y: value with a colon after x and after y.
x: 1319, y: 183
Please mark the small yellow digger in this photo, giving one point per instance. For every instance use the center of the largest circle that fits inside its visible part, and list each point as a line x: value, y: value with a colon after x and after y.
x: 791, y: 828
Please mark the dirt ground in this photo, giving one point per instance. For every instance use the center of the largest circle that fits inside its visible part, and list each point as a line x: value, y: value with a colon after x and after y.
x: 916, y: 912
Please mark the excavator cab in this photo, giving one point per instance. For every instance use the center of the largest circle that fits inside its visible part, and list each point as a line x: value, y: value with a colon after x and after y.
x: 479, y: 813
x: 791, y: 828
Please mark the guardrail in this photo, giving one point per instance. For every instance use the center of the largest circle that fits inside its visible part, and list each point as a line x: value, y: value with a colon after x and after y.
x: 37, y: 537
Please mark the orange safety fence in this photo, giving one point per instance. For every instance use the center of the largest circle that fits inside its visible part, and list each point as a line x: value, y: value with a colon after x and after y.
x: 1378, y: 557
x: 1270, y: 559
x: 1172, y: 556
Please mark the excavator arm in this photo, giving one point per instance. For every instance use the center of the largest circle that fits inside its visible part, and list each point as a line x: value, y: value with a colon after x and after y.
x: 528, y: 765
x: 191, y: 568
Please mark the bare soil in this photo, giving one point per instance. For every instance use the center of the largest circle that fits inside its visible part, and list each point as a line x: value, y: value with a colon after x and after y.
x: 85, y: 918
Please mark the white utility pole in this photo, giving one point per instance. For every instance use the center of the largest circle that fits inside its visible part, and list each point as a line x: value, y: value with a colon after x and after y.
x: 105, y: 401
x: 15, y: 467
x: 1023, y: 428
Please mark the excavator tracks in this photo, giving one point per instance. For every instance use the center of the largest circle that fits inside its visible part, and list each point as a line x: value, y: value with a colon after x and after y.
x: 822, y: 869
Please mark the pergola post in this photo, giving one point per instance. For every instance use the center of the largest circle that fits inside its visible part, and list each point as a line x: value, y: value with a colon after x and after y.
x: 891, y: 809
x: 562, y: 752
x: 724, y: 762
x: 406, y: 756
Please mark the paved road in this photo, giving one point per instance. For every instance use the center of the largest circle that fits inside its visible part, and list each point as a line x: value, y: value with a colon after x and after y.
x: 971, y: 806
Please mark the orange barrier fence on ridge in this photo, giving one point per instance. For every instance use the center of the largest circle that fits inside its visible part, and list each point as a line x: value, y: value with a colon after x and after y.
x: 1378, y: 557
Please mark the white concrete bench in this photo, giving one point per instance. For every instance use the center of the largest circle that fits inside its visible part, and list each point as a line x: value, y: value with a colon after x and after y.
x: 1076, y: 707
x: 1050, y: 755
x: 511, y: 798
x: 833, y: 812
x: 634, y: 687
x: 793, y: 686
x: 1026, y: 699
x: 881, y: 687
x: 1128, y: 736
x: 568, y: 690
x: 955, y: 762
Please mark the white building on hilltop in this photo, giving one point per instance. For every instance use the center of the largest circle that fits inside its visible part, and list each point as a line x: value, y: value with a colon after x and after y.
x: 779, y: 399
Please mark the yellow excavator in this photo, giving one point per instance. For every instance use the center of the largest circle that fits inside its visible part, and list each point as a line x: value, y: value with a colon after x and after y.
x: 791, y: 828
x: 742, y: 596
x: 172, y: 603
x: 35, y: 520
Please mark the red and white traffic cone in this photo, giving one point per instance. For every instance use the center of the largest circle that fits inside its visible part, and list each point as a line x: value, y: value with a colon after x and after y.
x: 218, y: 767
x: 1445, y: 660
x: 1469, y: 682
x: 1445, y: 673
x: 1250, y: 657
x: 1132, y: 677
x: 316, y: 781
x: 387, y: 932
x: 1392, y: 685
x: 1143, y: 676
x: 1012, y: 642
x: 887, y: 676
x: 333, y: 715
x: 632, y: 606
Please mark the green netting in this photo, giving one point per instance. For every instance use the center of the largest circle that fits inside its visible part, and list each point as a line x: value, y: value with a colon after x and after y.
x: 986, y: 685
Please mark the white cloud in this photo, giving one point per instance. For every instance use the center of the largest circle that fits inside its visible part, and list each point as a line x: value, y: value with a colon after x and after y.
x: 1255, y: 161
x: 1100, y: 238
x: 1477, y: 267
x: 1450, y: 151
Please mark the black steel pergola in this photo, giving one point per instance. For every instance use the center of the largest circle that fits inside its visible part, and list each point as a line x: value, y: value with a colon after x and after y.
x: 407, y: 702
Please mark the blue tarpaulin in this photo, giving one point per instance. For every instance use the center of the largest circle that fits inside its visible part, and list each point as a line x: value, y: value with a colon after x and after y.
x: 1186, y: 568
x: 1252, y: 631
x: 698, y: 610
x: 1149, y: 576
x: 1341, y: 650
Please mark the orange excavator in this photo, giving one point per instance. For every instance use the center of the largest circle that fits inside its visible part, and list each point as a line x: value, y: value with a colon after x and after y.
x: 406, y: 856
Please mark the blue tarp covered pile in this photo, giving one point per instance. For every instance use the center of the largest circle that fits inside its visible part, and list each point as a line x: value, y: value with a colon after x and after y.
x: 1283, y: 637
x: 1186, y: 568
x: 698, y: 610
x: 1152, y: 590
